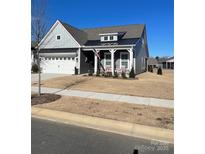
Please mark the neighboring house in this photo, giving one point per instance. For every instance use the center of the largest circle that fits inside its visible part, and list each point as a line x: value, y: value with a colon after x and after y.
x: 166, y: 62
x: 116, y: 48
x: 152, y: 62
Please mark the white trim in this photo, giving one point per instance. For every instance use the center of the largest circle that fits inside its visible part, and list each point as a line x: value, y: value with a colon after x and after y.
x: 70, y: 35
x: 127, y: 59
x: 103, y: 34
x: 107, y: 53
x: 79, y: 60
x: 110, y: 46
x: 52, y: 28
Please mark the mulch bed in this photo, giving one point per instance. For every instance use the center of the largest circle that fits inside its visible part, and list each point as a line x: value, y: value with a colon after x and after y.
x: 44, y: 98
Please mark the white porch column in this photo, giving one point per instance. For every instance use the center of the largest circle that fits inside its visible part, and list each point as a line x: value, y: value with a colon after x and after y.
x: 112, y: 60
x: 131, y: 58
x: 96, y: 63
x: 79, y: 55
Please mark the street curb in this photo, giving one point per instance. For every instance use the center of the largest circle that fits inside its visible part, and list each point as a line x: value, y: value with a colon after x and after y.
x: 119, y: 127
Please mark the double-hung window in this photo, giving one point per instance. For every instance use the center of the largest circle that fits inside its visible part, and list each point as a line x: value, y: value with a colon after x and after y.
x: 124, y: 60
x: 106, y: 38
x: 107, y: 60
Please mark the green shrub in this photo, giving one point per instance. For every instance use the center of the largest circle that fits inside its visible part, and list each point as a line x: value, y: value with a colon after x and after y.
x: 103, y: 73
x: 132, y: 73
x: 123, y: 75
x: 34, y: 68
x: 98, y: 73
x: 115, y: 75
x: 159, y: 71
x: 90, y: 73
x: 108, y: 74
x: 150, y: 69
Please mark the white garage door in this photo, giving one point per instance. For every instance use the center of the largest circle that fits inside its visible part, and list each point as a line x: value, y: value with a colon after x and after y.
x: 61, y: 65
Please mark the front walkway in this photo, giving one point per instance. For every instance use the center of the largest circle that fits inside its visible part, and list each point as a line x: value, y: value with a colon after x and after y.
x: 109, y: 97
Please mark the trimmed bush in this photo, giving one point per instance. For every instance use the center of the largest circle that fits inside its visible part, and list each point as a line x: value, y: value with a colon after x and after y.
x: 123, y: 75
x: 159, y: 71
x: 98, y: 73
x: 115, y: 75
x: 102, y: 73
x: 132, y: 73
x: 108, y: 74
x: 34, y: 68
x: 150, y: 69
x: 90, y: 73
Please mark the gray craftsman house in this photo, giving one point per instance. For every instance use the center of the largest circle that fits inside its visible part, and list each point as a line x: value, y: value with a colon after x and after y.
x: 69, y: 50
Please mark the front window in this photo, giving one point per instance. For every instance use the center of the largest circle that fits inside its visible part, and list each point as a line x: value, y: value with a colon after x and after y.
x: 107, y: 60
x: 105, y: 38
x: 111, y: 38
x: 124, y: 60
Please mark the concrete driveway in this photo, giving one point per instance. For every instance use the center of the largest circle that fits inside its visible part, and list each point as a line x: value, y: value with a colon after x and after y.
x: 46, y: 76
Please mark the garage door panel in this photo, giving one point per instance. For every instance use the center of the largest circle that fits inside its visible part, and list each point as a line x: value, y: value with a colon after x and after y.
x: 58, y: 66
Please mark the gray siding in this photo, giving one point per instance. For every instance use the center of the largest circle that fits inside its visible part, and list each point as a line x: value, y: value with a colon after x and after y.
x: 66, y: 40
x: 140, y: 55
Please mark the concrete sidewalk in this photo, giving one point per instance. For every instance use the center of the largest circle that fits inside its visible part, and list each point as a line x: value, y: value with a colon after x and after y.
x: 109, y: 97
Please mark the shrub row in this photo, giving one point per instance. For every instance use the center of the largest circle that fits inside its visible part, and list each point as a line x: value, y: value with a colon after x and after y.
x: 159, y: 70
x: 116, y: 75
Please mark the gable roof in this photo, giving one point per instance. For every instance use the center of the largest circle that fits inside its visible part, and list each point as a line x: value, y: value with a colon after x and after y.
x: 131, y: 31
x: 79, y: 35
x: 90, y: 36
x: 164, y: 59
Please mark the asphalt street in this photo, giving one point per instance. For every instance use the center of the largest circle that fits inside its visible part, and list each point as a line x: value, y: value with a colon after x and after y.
x: 56, y: 138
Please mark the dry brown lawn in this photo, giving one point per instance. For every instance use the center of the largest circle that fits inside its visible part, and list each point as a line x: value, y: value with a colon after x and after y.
x: 140, y: 114
x: 147, y: 84
x: 63, y: 82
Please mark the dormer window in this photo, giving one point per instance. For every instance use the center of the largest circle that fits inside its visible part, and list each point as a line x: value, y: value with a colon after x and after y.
x: 58, y: 37
x: 106, y: 37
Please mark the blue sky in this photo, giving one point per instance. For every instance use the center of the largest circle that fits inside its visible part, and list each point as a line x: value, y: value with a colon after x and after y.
x: 158, y: 15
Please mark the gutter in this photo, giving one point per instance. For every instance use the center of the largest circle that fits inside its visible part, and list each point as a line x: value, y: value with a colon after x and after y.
x: 110, y: 46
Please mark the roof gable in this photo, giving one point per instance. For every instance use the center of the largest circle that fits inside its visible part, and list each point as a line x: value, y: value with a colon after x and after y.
x: 66, y: 39
x: 79, y: 35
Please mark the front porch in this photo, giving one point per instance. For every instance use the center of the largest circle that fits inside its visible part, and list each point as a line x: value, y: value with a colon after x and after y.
x: 109, y: 60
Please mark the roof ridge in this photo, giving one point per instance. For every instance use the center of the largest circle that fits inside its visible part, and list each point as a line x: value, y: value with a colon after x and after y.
x: 112, y: 26
x: 71, y: 26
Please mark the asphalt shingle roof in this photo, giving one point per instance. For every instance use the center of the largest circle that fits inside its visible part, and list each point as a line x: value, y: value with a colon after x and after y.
x: 79, y: 35
x: 131, y: 31
x: 90, y: 36
x: 119, y: 42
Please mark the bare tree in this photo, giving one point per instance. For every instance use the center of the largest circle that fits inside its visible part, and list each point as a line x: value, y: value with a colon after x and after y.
x: 38, y: 29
